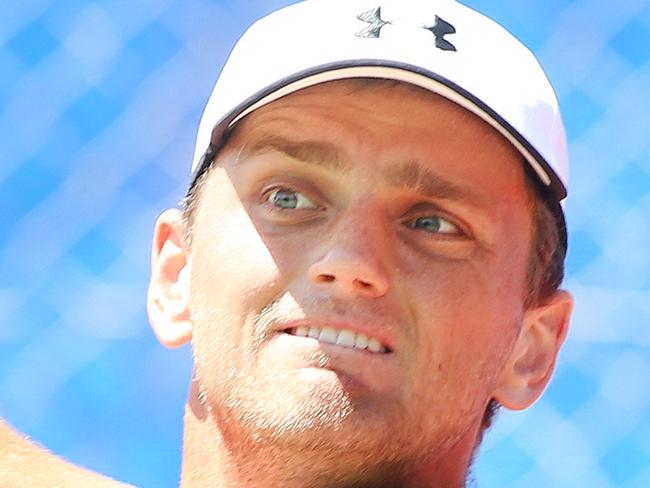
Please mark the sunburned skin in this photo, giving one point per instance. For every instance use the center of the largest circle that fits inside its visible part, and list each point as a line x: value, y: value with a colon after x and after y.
x: 385, y: 212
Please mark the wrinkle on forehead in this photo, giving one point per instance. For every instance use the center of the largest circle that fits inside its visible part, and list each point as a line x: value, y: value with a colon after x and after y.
x: 320, y: 153
x: 417, y: 177
x: 411, y: 175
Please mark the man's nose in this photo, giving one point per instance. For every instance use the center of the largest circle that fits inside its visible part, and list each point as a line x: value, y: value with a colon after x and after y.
x: 353, y: 263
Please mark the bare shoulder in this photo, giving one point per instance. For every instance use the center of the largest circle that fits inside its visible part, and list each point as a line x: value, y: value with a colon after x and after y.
x: 24, y: 463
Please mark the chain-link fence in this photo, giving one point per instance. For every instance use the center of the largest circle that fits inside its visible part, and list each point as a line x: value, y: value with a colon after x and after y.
x: 99, y: 103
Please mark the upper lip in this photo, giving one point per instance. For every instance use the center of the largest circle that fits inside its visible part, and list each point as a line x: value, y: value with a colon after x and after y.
x: 380, y: 333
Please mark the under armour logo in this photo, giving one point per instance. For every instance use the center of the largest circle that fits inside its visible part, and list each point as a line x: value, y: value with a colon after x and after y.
x: 439, y: 29
x: 372, y: 17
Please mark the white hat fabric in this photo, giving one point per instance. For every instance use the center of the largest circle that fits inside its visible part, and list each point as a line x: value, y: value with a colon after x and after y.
x: 439, y: 45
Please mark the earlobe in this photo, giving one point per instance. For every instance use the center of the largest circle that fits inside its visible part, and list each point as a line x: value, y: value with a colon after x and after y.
x: 531, y: 363
x: 168, y: 299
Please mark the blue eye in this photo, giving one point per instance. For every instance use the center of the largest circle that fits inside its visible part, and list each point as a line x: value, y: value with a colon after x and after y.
x: 434, y: 225
x: 287, y: 199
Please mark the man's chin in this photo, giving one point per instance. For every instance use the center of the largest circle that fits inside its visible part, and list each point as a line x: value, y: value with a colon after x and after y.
x: 312, y: 400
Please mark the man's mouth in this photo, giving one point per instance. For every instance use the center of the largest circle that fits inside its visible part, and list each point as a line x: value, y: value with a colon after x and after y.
x: 341, y: 337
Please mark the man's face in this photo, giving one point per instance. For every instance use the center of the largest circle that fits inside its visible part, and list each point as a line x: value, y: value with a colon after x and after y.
x: 369, y: 215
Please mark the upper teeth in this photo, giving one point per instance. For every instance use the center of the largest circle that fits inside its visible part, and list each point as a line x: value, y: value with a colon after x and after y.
x: 341, y: 337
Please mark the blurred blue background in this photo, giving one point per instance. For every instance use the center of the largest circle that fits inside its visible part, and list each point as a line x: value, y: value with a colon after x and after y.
x: 99, y: 103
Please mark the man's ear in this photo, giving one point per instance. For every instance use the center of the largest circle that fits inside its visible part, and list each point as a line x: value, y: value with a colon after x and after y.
x: 532, y: 360
x: 168, y: 299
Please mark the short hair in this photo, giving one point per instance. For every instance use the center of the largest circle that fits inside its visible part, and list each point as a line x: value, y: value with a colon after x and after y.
x: 545, y: 266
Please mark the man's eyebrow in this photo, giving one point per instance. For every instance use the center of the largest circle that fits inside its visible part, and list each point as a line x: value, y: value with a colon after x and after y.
x: 315, y: 152
x: 414, y: 176
x: 409, y: 175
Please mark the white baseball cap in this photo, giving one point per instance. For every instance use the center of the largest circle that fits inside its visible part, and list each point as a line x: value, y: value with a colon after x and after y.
x: 439, y: 45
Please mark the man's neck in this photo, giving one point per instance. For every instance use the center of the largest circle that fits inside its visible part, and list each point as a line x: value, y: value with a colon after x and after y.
x: 208, y: 461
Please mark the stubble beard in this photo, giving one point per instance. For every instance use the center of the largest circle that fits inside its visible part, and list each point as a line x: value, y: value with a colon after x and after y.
x: 326, y: 437
x: 323, y: 434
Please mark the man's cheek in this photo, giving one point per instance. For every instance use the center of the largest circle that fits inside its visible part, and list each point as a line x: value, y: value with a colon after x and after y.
x: 234, y: 260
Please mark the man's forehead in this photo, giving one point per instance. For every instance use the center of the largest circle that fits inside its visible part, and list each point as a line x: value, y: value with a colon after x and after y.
x: 408, y: 163
x: 340, y: 96
x: 363, y: 101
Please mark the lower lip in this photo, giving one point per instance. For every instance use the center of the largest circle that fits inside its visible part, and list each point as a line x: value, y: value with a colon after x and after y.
x: 358, y: 369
